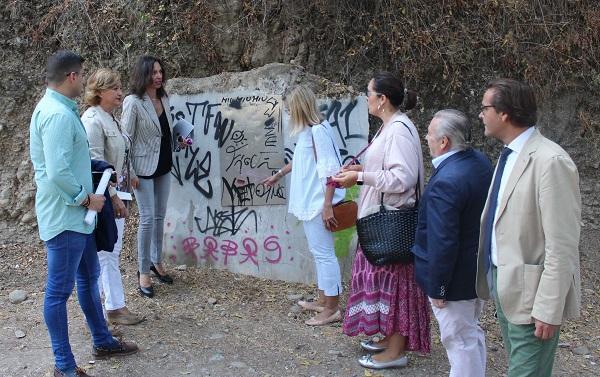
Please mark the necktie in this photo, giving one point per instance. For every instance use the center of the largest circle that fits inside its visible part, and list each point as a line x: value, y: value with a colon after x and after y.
x: 491, y: 210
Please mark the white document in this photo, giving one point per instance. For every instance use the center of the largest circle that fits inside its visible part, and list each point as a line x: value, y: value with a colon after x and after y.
x: 124, y: 195
x: 183, y: 129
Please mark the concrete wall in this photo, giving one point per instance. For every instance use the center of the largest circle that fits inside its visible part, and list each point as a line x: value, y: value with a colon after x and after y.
x: 219, y: 214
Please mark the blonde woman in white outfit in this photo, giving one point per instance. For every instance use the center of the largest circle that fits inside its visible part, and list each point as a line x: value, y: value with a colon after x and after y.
x: 109, y: 142
x: 316, y: 158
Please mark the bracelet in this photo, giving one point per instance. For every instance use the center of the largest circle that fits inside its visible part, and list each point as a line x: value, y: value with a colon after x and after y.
x: 86, y: 201
x: 359, y: 178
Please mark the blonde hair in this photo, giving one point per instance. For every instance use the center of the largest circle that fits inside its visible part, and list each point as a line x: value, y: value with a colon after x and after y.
x: 302, y: 104
x: 101, y: 79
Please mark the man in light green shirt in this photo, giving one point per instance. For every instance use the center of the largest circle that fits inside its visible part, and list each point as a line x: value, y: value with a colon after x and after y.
x: 61, y: 160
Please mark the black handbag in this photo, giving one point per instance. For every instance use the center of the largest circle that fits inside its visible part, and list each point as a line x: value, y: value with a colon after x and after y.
x: 386, y: 237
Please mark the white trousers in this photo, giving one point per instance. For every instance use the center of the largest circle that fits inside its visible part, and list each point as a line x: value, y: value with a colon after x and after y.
x: 462, y: 337
x: 110, y: 282
x: 321, y: 245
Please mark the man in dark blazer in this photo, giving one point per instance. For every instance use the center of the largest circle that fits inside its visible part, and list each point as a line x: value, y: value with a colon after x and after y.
x: 447, y: 239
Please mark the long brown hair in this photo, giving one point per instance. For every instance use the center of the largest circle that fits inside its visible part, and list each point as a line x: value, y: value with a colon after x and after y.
x: 141, y: 76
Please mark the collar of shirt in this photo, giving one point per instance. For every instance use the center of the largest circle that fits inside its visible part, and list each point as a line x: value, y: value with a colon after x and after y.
x: 70, y: 103
x: 439, y: 159
x: 519, y: 142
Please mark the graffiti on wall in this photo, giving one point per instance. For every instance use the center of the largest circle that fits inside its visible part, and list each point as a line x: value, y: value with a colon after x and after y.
x: 253, y: 152
x: 219, y: 213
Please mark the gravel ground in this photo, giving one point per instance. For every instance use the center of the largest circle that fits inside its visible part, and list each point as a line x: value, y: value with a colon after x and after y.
x: 215, y: 323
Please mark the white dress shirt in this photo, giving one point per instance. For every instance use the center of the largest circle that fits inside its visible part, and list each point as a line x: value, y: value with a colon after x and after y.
x: 439, y: 159
x: 516, y: 146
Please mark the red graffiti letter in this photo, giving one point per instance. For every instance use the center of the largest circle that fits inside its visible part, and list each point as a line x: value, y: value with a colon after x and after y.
x: 251, y: 251
x: 190, y: 244
x: 271, y: 244
x: 210, y: 248
x: 229, y: 248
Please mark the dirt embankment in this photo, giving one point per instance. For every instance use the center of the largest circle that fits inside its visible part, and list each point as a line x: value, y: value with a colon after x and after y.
x: 445, y: 52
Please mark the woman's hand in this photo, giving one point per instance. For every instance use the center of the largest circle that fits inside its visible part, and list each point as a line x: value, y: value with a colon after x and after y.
x: 182, y: 143
x: 269, y: 182
x: 356, y: 168
x: 120, y: 209
x: 328, y: 219
x: 346, y: 178
x: 135, y: 182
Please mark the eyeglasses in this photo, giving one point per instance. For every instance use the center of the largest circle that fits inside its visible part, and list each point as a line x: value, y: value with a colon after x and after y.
x: 369, y: 93
x: 482, y: 108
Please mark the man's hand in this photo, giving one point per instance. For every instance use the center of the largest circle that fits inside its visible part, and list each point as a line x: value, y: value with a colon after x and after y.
x: 135, y: 182
x: 96, y: 202
x: 119, y: 207
x: 438, y: 302
x: 543, y: 330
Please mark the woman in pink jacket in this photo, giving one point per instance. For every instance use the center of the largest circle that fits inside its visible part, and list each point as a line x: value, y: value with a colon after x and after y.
x: 386, y: 300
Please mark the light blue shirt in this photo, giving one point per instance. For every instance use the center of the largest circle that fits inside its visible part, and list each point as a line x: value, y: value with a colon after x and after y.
x: 515, y: 146
x: 61, y: 160
x: 438, y: 160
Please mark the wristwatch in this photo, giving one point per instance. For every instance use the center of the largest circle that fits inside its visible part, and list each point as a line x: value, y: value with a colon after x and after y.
x: 359, y: 179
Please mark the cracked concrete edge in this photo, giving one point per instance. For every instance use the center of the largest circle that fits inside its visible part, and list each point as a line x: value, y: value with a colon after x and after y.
x: 274, y: 78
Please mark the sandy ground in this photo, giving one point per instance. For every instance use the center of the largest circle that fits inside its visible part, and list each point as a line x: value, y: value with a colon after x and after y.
x: 251, y: 329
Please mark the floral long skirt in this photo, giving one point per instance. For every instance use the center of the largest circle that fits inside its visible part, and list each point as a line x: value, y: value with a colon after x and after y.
x: 387, y: 300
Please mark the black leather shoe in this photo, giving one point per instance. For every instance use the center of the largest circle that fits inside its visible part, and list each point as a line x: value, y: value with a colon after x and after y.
x: 123, y: 349
x: 145, y: 291
x: 163, y: 278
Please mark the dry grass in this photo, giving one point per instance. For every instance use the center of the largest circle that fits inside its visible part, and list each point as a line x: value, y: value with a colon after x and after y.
x: 448, y: 46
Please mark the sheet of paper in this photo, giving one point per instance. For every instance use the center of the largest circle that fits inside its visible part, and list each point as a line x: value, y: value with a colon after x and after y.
x: 124, y: 195
x: 183, y: 129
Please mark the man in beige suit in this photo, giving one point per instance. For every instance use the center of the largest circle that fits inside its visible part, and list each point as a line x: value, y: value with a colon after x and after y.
x: 528, y: 247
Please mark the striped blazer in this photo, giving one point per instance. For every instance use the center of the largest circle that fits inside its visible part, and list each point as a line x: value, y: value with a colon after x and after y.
x: 141, y: 122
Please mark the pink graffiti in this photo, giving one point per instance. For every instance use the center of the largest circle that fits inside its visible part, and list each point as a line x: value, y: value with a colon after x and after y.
x: 230, y: 250
x: 272, y: 244
x: 251, y: 251
x: 190, y: 244
x: 210, y: 248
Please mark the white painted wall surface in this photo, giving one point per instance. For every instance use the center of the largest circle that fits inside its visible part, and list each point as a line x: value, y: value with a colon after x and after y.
x: 259, y: 240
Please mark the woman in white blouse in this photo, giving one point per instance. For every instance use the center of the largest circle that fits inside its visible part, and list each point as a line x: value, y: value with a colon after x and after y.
x: 316, y: 159
x: 109, y: 142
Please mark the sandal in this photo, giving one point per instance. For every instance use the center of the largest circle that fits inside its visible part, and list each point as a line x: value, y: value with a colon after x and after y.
x: 311, y: 305
x: 335, y: 317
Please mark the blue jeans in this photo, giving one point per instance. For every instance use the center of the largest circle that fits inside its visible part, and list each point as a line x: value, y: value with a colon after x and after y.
x: 73, y: 255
